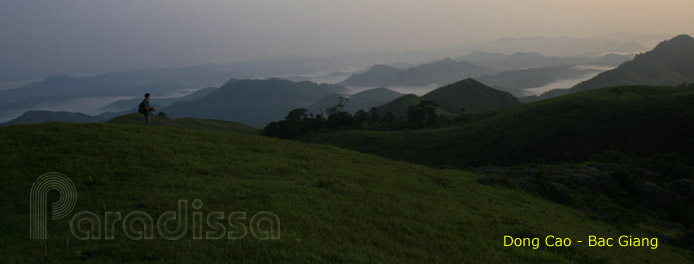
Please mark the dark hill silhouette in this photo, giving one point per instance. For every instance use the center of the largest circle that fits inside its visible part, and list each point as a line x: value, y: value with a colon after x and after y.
x: 474, y: 96
x: 469, y: 94
x: 253, y: 102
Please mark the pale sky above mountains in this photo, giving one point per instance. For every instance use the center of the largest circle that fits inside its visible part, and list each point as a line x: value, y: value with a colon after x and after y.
x: 125, y: 34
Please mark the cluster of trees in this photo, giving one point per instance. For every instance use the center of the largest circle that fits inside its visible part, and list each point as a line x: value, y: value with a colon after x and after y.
x: 299, y: 122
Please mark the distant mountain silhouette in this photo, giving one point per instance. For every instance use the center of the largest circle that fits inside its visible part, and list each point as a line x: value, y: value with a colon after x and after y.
x: 59, y: 88
x: 469, y: 94
x: 36, y: 117
x: 132, y: 104
x: 363, y: 100
x: 377, y: 75
x: 525, y: 60
x: 441, y: 72
x: 629, y: 47
x: 569, y: 46
x: 524, y: 70
x: 253, y: 102
x: 669, y: 63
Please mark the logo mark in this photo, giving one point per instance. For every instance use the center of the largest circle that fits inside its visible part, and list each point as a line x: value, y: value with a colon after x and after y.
x: 38, y: 210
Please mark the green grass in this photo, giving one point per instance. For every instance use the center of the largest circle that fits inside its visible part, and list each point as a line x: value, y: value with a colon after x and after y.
x: 571, y: 128
x: 186, y: 122
x: 335, y: 205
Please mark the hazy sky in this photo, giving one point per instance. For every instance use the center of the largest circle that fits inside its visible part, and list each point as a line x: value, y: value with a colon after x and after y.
x: 123, y: 34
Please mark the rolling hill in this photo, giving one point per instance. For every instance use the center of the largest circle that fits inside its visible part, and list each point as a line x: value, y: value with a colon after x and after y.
x: 333, y: 205
x: 35, y: 117
x: 442, y: 72
x: 469, y: 94
x: 638, y: 119
x: 185, y: 122
x: 669, y: 63
x: 253, y: 102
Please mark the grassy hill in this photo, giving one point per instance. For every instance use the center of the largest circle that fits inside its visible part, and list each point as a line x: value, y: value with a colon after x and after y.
x: 643, y: 120
x: 186, y: 122
x: 35, y: 117
x: 469, y: 94
x: 334, y: 205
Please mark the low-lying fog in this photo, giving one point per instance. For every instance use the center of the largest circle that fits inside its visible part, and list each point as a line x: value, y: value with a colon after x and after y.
x: 568, y: 83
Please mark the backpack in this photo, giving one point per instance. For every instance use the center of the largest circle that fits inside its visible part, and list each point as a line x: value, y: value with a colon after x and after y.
x: 142, y: 109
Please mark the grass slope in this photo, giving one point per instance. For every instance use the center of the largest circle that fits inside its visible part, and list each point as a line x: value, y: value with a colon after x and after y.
x: 569, y: 128
x: 335, y: 205
x: 40, y: 116
x: 189, y: 123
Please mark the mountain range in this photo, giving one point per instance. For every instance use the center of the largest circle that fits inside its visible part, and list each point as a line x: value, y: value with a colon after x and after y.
x: 513, y: 73
x: 132, y: 104
x: 669, y: 63
x: 525, y: 60
x: 443, y: 72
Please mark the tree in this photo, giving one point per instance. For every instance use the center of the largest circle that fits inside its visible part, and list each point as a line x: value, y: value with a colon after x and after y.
x: 337, y: 109
x: 341, y: 120
x: 423, y: 114
x: 375, y: 116
x: 297, y: 114
x: 361, y: 117
x: 388, y: 118
x: 296, y: 123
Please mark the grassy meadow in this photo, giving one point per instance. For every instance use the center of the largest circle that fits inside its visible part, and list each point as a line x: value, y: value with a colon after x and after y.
x: 335, y: 205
